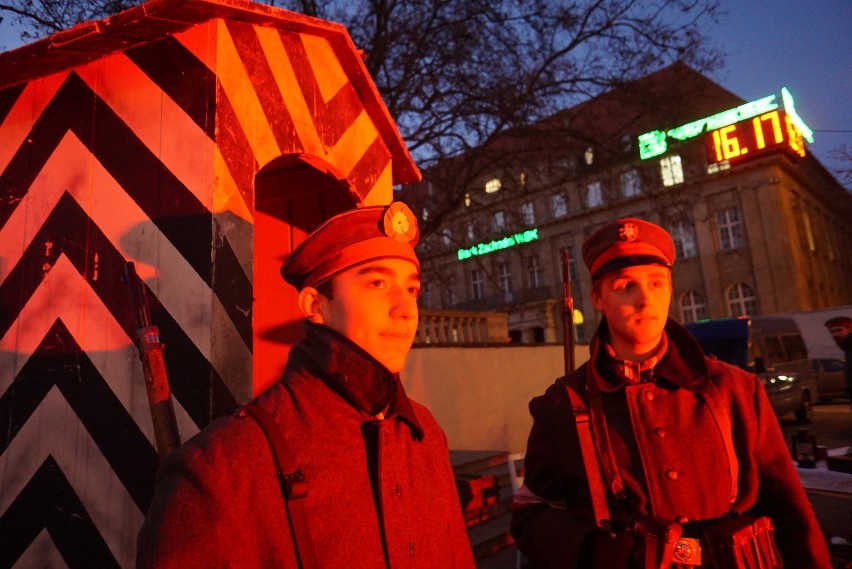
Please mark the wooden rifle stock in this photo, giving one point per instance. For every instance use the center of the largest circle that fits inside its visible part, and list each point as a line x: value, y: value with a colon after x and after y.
x: 567, y: 314
x: 151, y: 353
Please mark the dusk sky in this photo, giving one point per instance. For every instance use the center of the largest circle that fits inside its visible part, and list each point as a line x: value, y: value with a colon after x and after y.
x: 804, y: 46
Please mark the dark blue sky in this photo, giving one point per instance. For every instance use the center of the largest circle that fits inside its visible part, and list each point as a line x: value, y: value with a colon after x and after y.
x: 804, y: 45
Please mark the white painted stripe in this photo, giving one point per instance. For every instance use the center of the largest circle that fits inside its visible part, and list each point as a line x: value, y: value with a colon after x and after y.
x: 165, y: 129
x: 64, y: 295
x: 54, y: 430
x: 41, y: 553
x: 166, y: 272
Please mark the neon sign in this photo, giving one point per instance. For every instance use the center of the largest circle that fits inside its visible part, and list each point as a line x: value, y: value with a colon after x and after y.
x: 656, y: 142
x: 497, y: 245
x: 752, y: 136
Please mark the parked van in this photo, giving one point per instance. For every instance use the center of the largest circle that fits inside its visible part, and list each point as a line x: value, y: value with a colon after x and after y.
x: 769, y: 346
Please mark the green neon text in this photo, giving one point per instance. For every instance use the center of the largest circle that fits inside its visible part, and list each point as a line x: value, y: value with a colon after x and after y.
x: 497, y: 245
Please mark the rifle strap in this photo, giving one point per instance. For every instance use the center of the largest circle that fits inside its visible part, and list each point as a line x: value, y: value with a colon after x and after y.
x: 580, y: 412
x: 294, y: 487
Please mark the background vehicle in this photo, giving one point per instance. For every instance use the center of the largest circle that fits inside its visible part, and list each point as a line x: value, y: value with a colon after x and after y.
x: 829, y: 378
x: 769, y: 346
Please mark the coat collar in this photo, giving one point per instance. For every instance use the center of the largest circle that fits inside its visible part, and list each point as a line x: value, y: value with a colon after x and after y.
x: 359, y: 378
x: 682, y: 365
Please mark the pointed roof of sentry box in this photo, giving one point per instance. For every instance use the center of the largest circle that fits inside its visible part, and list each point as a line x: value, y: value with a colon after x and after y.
x: 157, y: 19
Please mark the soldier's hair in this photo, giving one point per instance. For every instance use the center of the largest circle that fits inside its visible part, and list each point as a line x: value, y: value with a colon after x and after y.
x: 327, y: 289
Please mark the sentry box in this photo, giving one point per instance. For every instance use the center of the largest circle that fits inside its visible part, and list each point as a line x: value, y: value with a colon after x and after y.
x: 201, y: 140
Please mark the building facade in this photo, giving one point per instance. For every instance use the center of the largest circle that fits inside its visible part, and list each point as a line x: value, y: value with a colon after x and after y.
x: 758, y: 228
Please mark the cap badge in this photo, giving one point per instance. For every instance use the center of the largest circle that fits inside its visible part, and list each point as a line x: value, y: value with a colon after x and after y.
x: 400, y: 223
x: 628, y: 232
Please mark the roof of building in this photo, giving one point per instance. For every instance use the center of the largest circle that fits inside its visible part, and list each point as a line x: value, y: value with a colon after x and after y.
x: 157, y: 19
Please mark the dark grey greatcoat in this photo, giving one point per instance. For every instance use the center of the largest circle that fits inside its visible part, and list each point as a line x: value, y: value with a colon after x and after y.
x: 381, y: 493
x: 670, y: 454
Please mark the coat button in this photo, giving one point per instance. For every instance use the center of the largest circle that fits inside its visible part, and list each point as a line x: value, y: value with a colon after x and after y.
x: 660, y: 432
x: 398, y: 491
x: 411, y: 548
x: 671, y: 474
x: 648, y: 394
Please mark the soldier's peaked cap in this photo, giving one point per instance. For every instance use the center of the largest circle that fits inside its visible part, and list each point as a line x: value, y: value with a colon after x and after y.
x: 627, y: 242
x: 352, y: 238
x: 839, y: 321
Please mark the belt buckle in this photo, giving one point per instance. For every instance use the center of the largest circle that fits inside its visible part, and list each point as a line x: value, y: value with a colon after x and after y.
x: 687, y: 550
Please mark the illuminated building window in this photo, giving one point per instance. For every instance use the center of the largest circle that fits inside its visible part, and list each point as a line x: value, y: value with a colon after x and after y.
x: 589, y: 156
x: 631, y: 184
x: 504, y: 277
x: 471, y: 230
x: 447, y: 237
x: 493, y: 185
x: 741, y: 300
x: 498, y: 221
x: 730, y: 229
x: 466, y: 200
x: 718, y: 167
x: 558, y: 205
x: 572, y: 264
x: 594, y: 194
x: 425, y: 214
x: 671, y: 169
x: 535, y: 271
x: 528, y: 213
x: 477, y: 284
x: 683, y: 235
x: 693, y: 307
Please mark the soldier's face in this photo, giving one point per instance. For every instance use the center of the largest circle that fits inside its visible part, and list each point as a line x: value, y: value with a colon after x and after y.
x: 375, y: 306
x: 839, y: 333
x: 635, y: 301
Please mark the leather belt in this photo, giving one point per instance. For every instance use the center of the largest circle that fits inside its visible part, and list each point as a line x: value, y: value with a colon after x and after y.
x: 687, y: 551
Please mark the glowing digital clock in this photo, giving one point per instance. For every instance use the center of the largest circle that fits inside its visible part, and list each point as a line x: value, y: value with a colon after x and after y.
x: 753, y: 136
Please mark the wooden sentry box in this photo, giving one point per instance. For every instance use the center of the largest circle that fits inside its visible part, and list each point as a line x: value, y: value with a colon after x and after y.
x: 202, y: 140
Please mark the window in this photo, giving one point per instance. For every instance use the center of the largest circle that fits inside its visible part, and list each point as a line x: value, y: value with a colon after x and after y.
x: 730, y: 229
x: 451, y: 298
x: 466, y: 199
x: 741, y: 300
x: 809, y: 233
x: 477, y: 284
x: 528, y: 213
x: 693, y: 307
x: 447, y: 237
x: 594, y: 195
x: 683, y: 235
x: 535, y: 272
x: 630, y: 184
x: 558, y: 205
x: 471, y: 230
x: 493, y: 185
x: 424, y: 299
x: 504, y: 277
x: 498, y: 221
x: 671, y: 170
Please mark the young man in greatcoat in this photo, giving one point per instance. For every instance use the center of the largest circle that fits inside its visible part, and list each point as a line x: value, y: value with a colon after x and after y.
x: 665, y: 406
x: 380, y: 490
